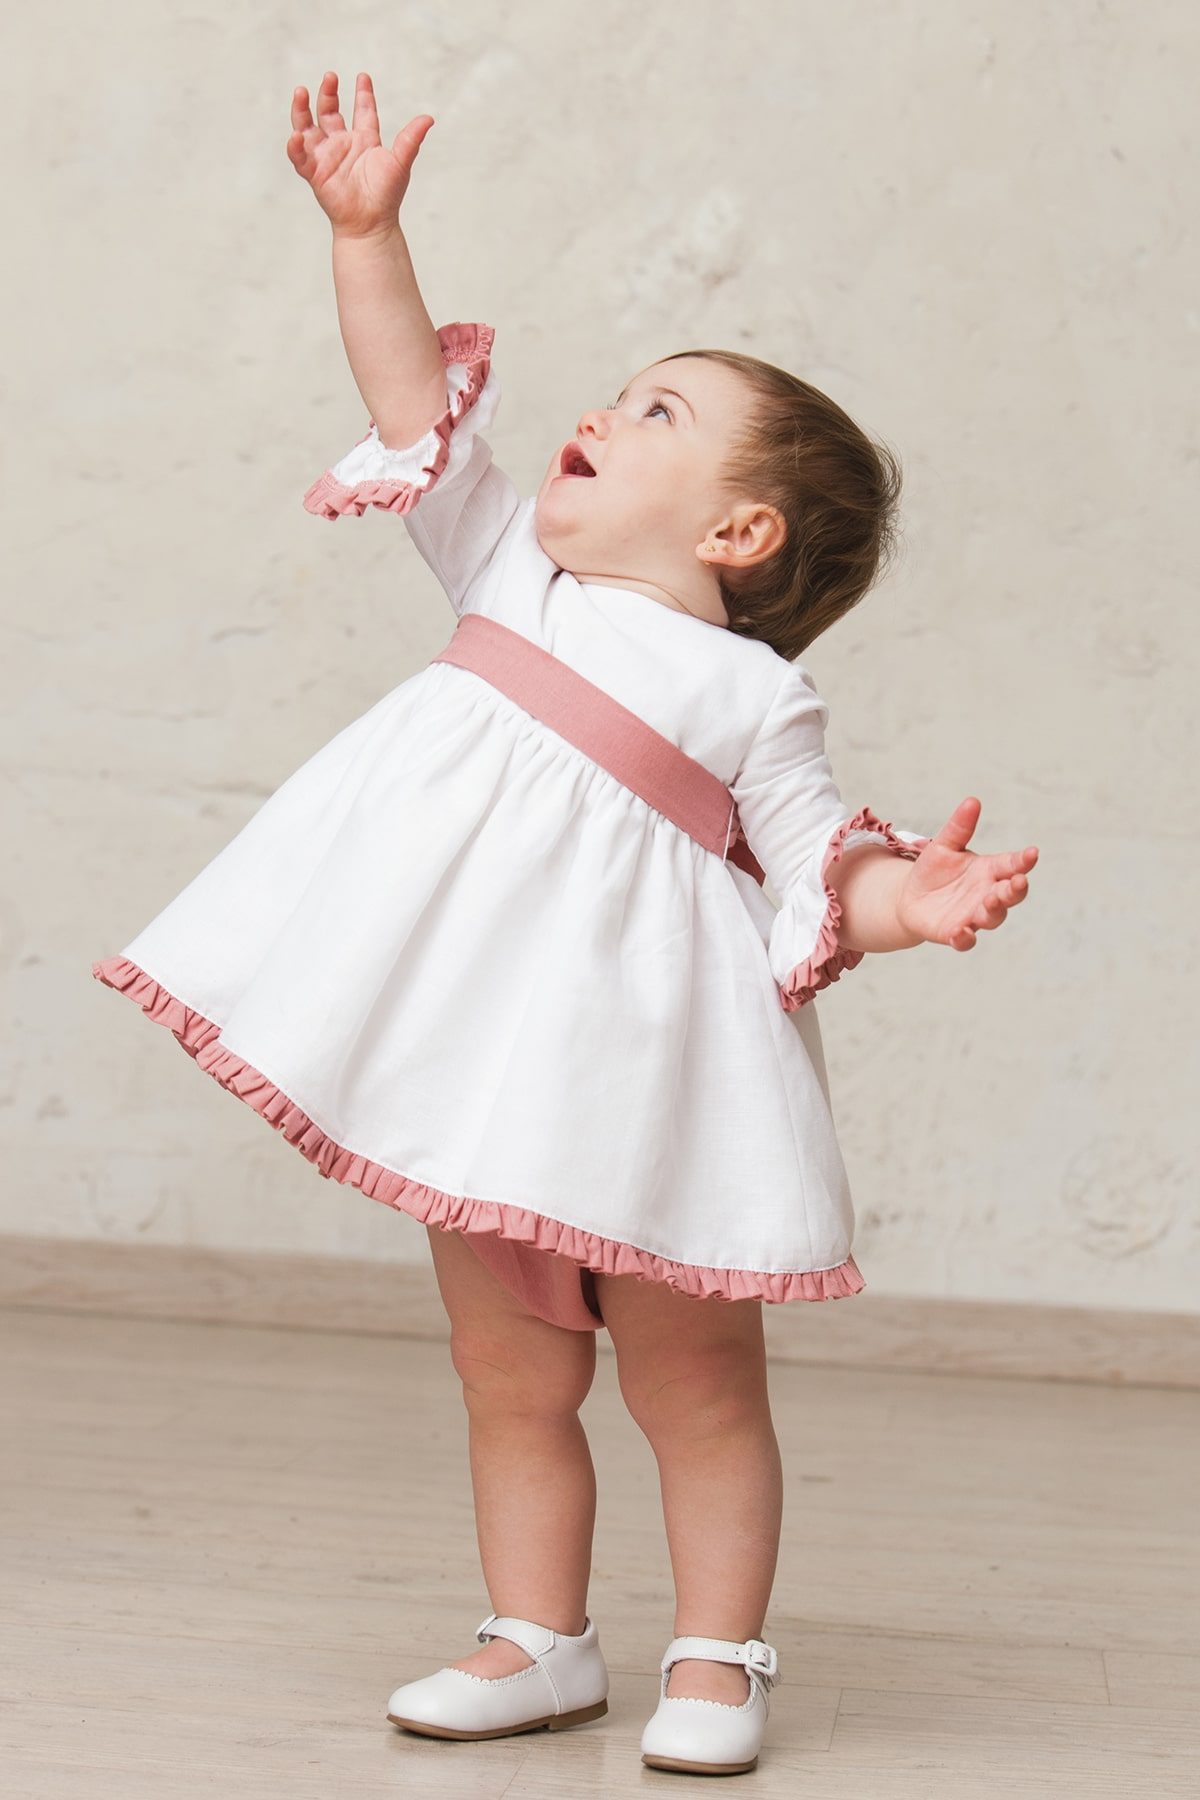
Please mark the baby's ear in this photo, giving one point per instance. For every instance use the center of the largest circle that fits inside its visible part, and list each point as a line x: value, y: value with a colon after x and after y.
x: 759, y: 531
x: 770, y: 526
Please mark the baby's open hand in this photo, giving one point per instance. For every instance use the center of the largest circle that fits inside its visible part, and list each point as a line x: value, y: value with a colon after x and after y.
x: 357, y: 181
x: 952, y: 892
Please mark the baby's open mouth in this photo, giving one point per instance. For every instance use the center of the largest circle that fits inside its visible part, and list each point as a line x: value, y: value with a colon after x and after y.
x: 573, y: 461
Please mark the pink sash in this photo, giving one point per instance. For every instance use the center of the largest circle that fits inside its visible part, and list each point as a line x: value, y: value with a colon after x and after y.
x: 665, y: 776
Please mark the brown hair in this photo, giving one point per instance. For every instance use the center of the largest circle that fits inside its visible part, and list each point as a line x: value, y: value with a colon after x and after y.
x: 837, y: 490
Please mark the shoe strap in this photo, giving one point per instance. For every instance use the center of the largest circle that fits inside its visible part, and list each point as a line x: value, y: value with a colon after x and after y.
x: 756, y: 1657
x: 533, y: 1639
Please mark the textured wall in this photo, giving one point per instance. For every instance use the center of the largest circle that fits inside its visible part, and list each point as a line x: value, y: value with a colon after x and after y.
x: 968, y: 223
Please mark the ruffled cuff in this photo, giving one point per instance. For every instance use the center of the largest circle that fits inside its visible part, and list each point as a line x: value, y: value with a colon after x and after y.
x: 810, y: 907
x: 372, y: 474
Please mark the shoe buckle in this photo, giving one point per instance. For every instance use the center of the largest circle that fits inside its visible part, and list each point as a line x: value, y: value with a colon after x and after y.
x: 482, y: 1633
x: 763, y: 1658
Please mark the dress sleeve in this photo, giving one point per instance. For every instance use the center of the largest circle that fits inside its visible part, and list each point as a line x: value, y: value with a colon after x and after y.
x: 455, y: 502
x: 796, y: 823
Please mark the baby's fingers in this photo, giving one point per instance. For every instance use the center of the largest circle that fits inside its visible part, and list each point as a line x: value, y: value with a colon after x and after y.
x: 299, y: 151
x: 995, y: 907
x: 366, y: 114
x: 301, y: 116
x: 1011, y: 893
x: 328, y: 116
x: 407, y: 142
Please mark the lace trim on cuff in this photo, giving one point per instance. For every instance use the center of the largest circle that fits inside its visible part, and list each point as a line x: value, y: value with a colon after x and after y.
x: 828, y: 959
x: 372, y: 474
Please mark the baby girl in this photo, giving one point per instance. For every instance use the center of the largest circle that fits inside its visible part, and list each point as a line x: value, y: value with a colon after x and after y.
x: 501, y: 954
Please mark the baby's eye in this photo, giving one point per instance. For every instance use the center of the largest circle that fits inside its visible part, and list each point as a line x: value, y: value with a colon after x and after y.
x: 656, y: 405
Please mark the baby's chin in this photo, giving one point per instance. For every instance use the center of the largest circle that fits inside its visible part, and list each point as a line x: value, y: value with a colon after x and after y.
x: 569, y: 549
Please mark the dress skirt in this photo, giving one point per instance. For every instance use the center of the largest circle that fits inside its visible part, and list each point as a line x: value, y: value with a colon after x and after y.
x: 480, y: 958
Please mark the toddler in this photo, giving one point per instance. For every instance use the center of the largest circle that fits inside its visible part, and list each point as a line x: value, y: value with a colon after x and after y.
x: 500, y: 954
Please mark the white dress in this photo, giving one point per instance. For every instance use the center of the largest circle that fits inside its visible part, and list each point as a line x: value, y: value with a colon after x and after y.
x: 466, y: 969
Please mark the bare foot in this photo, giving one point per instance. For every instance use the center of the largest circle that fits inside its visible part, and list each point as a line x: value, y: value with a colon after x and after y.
x: 695, y: 1678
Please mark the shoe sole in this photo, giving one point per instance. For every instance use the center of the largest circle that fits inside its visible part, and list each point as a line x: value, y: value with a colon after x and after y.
x: 552, y: 1722
x: 698, y: 1768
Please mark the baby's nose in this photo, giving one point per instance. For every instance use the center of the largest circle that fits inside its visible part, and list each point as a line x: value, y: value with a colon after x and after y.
x: 595, y: 421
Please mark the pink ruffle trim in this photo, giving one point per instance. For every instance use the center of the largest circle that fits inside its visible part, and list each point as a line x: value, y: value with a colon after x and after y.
x: 456, y: 1212
x: 330, y: 498
x: 829, y: 958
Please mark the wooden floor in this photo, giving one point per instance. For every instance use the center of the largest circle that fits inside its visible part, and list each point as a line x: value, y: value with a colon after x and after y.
x: 223, y: 1547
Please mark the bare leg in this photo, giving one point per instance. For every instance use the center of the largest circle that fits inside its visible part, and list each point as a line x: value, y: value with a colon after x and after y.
x: 534, y: 1483
x: 693, y: 1375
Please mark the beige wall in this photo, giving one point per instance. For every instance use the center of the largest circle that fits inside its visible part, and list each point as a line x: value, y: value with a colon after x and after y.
x: 971, y: 224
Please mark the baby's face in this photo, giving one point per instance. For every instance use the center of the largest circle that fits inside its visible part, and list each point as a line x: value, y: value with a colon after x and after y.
x: 648, y: 516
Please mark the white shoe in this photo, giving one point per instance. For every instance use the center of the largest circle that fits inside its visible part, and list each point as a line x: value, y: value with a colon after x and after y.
x: 566, y: 1684
x: 707, y: 1736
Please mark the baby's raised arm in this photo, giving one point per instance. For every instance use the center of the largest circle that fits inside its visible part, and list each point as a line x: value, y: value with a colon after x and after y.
x: 359, y: 183
x: 431, y: 392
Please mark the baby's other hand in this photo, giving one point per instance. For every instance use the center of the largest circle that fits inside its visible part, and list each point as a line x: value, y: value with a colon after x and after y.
x: 357, y: 181
x: 951, y: 893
